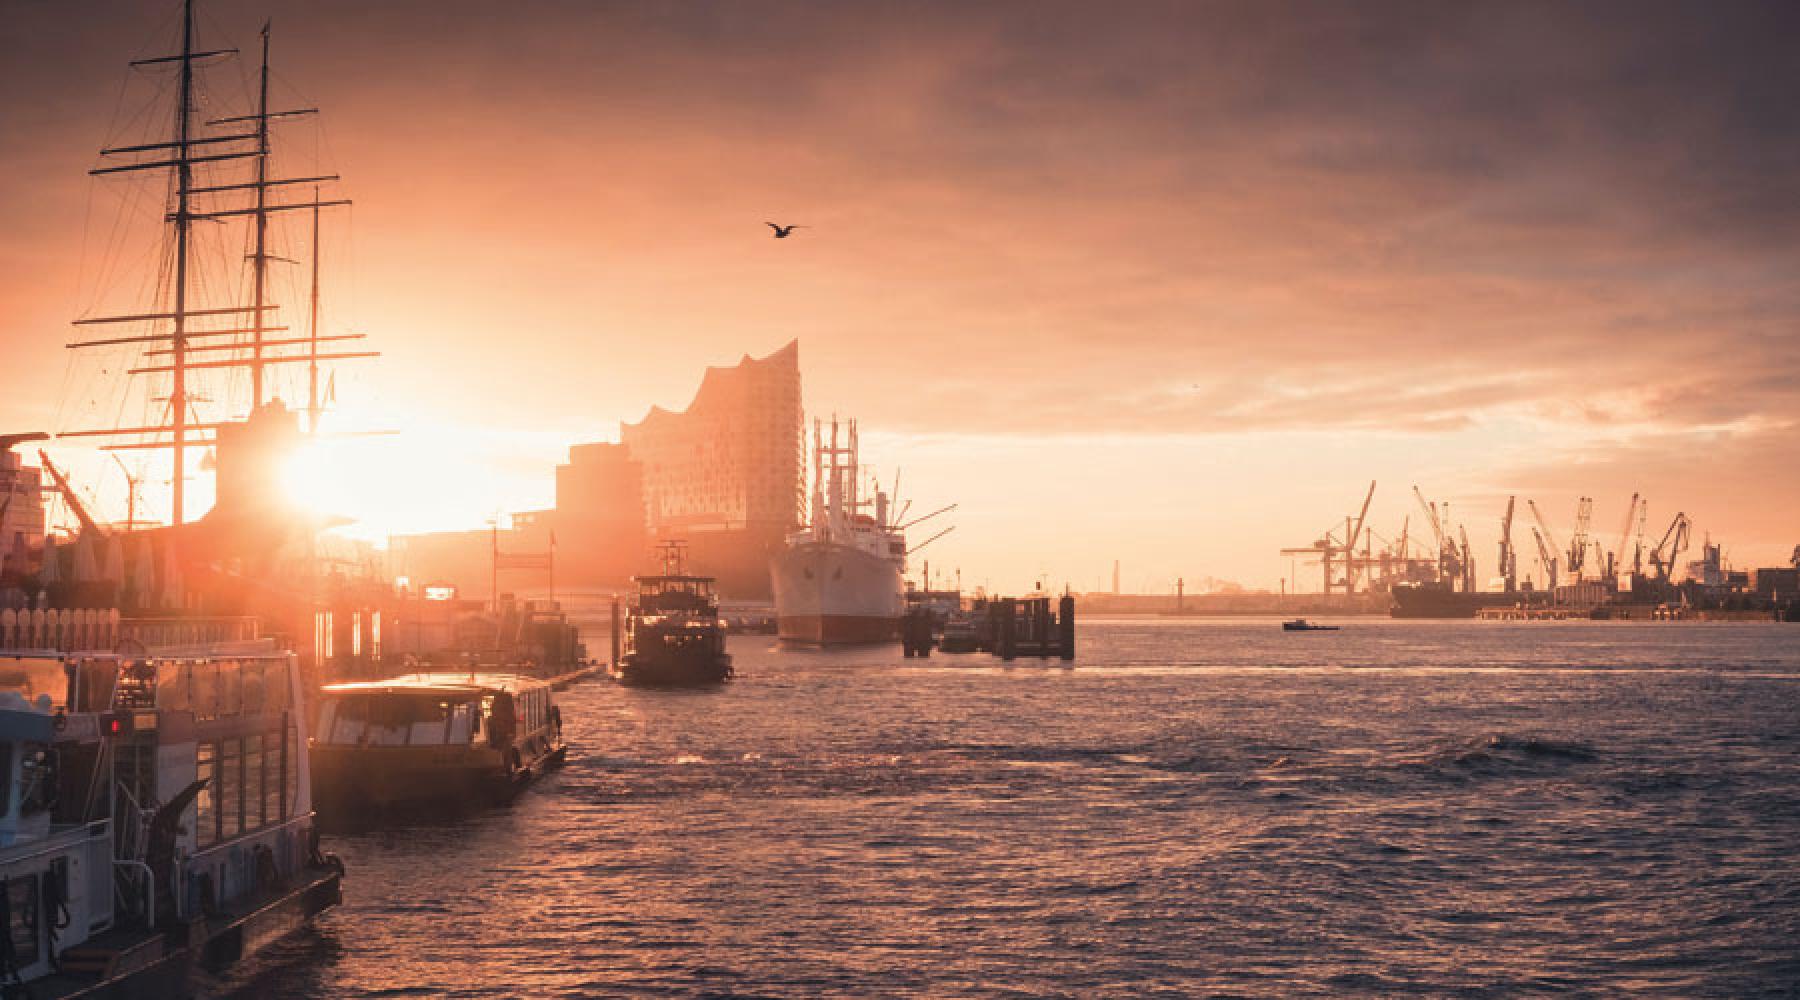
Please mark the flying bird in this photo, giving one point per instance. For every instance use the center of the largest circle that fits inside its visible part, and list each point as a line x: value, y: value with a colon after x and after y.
x: 781, y: 232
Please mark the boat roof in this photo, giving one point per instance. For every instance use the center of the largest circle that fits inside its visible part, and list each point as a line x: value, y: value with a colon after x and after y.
x: 675, y: 578
x: 457, y: 682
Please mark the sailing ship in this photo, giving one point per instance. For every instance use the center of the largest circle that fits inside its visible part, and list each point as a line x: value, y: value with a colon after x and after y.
x: 674, y: 636
x: 165, y: 812
x: 839, y: 580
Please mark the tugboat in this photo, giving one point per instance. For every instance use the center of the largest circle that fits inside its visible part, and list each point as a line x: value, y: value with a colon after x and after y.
x: 674, y: 636
x: 156, y: 816
x: 432, y: 743
x: 1302, y: 625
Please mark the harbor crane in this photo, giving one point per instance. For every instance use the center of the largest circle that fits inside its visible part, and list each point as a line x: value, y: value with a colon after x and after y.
x: 1615, y: 560
x: 1545, y: 557
x: 1334, y: 552
x: 1578, y: 542
x: 1452, y: 565
x: 76, y: 507
x: 1546, y: 543
x: 1673, y: 541
x: 1509, y: 559
x: 1468, y: 561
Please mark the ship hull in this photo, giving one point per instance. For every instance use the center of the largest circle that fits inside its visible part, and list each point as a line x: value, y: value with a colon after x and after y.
x: 831, y: 595
x: 1429, y: 601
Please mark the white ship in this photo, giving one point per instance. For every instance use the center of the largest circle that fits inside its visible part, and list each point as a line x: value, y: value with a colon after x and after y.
x: 839, y: 579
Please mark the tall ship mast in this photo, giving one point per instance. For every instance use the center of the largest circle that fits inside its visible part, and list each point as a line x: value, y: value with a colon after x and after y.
x: 839, y: 580
x: 220, y: 171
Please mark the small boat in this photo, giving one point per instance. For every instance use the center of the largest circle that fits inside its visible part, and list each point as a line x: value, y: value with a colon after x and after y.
x: 432, y: 742
x: 1302, y: 625
x: 673, y: 635
x: 962, y: 634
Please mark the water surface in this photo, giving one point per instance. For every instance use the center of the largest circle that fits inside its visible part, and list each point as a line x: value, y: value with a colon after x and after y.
x: 1197, y: 808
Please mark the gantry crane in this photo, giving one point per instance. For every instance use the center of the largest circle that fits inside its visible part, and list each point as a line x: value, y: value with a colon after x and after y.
x: 1333, y: 552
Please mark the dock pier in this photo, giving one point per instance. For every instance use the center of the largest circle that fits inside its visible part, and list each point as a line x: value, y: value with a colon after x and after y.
x: 1027, y: 627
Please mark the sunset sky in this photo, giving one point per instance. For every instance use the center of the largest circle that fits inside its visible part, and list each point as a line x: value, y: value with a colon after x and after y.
x: 1162, y: 283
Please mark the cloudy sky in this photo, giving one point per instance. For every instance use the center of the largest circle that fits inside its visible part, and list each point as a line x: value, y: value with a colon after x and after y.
x: 1162, y: 283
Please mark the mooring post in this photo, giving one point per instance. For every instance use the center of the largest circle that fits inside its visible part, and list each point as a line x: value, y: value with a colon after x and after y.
x: 616, y: 637
x: 1066, y: 623
x: 1008, y: 623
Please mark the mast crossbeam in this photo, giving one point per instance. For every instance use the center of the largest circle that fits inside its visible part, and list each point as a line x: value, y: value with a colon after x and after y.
x: 247, y: 362
x: 229, y: 213
x: 184, y: 57
x: 252, y: 185
x: 183, y: 314
x: 161, y: 337
x: 177, y: 162
x: 252, y: 345
x: 146, y: 147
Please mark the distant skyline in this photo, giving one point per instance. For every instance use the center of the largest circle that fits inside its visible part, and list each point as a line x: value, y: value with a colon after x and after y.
x: 1167, y: 283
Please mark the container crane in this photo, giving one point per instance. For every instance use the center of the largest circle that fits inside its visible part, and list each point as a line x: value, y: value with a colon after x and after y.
x: 1673, y: 541
x: 1546, y: 542
x: 1509, y: 560
x: 1545, y: 557
x: 1615, y: 560
x: 1578, y: 542
x: 1468, y: 561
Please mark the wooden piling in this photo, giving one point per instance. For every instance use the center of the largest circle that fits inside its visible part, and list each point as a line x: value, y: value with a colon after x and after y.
x: 1066, y: 627
x: 1008, y: 626
x: 617, y: 632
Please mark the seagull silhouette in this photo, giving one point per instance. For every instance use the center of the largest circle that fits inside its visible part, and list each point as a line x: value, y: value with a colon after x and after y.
x: 781, y: 232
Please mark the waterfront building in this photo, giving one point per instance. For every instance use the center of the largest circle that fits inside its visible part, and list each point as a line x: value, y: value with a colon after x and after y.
x: 725, y: 473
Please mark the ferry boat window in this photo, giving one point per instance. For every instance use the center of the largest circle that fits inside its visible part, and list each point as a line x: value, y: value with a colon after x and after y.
x: 253, y: 783
x: 430, y: 722
x: 275, y: 686
x: 271, y: 777
x: 171, y: 686
x: 94, y: 684
x: 231, y: 789
x: 37, y: 779
x: 206, y: 804
x: 22, y: 904
x: 346, y: 719
x: 203, y: 689
x: 231, y: 688
x: 35, y: 675
x: 290, y: 756
x: 253, y: 686
x: 462, y: 724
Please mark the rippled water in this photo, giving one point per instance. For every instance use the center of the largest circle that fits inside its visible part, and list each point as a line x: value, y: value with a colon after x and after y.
x: 1197, y: 808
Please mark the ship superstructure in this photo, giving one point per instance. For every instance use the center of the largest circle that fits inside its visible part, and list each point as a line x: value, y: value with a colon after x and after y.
x: 839, y: 580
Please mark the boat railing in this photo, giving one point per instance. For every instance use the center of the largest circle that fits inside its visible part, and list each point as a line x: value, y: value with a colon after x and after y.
x: 61, y: 630
x: 149, y: 887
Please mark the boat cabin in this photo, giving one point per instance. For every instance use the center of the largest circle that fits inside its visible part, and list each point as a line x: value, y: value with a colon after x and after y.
x: 433, y: 736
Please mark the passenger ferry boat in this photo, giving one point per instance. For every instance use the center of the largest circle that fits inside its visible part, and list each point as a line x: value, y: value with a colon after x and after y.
x: 157, y: 816
x: 432, y: 742
x: 674, y: 636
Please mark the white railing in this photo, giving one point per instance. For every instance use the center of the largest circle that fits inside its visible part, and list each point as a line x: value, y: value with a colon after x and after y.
x: 64, y: 630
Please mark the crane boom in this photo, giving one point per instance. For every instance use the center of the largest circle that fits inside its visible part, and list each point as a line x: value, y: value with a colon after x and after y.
x: 1437, y: 530
x: 68, y: 492
x: 1544, y: 549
